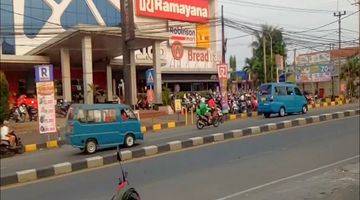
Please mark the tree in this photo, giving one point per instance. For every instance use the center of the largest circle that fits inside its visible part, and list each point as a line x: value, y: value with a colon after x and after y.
x: 268, y: 33
x: 233, y: 76
x: 4, y: 97
x: 350, y: 72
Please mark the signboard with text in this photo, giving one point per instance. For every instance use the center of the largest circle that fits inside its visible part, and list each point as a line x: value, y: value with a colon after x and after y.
x: 46, y: 106
x: 185, y: 33
x: 178, y: 10
x: 313, y: 73
x: 223, y: 78
x: 177, y: 105
x: 46, y: 98
x: 44, y: 73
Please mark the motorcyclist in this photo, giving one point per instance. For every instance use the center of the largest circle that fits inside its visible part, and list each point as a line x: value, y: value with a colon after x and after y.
x: 6, y: 136
x: 204, y: 110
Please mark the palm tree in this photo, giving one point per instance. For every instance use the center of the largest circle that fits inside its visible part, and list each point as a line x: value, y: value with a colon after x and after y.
x: 350, y: 72
x: 273, y: 37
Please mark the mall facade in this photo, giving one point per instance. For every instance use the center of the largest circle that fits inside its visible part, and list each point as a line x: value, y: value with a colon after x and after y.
x: 83, y: 41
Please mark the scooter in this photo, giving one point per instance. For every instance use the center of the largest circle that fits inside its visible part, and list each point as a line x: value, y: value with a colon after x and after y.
x: 124, y: 191
x: 7, y: 150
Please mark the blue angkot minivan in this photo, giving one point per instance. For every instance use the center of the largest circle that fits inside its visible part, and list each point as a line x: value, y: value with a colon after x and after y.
x: 92, y: 127
x: 281, y: 98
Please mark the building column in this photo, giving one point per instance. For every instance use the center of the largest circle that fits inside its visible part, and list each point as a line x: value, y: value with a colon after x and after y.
x: 65, y: 74
x: 109, y: 83
x: 157, y: 68
x: 130, y: 77
x: 87, y: 70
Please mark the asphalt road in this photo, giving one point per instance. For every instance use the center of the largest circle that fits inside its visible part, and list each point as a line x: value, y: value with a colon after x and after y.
x: 67, y: 153
x: 224, y: 170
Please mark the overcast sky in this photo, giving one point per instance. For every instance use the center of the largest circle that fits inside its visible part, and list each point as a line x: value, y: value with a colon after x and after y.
x: 287, y: 19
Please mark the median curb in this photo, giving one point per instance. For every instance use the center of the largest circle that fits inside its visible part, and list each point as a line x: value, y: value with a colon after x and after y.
x: 98, y: 161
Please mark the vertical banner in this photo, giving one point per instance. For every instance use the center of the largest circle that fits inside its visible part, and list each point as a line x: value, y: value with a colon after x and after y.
x: 223, y: 78
x: 46, y: 98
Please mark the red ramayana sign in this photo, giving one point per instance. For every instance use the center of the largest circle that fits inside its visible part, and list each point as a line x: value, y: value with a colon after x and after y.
x: 179, y: 10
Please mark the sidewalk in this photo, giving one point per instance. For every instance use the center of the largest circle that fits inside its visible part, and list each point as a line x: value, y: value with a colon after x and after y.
x: 29, y: 131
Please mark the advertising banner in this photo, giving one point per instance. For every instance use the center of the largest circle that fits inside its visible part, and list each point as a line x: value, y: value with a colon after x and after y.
x: 46, y: 98
x: 313, y: 73
x: 46, y: 106
x: 223, y: 78
x: 178, y: 10
x: 185, y: 33
x: 322, y: 57
x: 203, y: 36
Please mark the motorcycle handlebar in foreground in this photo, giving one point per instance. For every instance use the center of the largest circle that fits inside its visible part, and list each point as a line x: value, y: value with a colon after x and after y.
x: 124, y: 191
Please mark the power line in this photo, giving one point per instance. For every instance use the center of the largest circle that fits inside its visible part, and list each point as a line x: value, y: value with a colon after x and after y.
x: 281, y: 8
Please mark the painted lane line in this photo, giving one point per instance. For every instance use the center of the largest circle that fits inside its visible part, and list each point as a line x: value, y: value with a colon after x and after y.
x: 287, y: 178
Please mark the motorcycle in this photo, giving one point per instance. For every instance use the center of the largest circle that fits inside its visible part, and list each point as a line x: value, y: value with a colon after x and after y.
x: 7, y: 150
x: 143, y: 104
x: 32, y: 112
x: 18, y: 113
x: 203, y: 121
x: 124, y: 191
x: 234, y: 107
x: 62, y: 108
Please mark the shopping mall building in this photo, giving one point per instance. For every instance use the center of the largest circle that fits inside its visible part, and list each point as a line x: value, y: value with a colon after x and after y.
x: 83, y: 41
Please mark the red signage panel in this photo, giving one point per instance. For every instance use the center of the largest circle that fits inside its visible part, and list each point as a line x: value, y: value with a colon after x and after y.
x: 196, y: 11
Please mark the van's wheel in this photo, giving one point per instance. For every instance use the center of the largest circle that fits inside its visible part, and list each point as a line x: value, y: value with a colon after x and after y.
x: 282, y: 112
x: 129, y: 140
x: 91, y: 146
x: 304, y: 109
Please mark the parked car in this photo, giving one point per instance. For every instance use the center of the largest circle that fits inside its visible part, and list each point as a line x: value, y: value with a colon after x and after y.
x: 281, y: 98
x: 92, y: 127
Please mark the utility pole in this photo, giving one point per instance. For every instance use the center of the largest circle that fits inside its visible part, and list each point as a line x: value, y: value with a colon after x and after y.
x: 271, y: 59
x: 339, y: 15
x: 264, y: 52
x: 294, y: 66
x: 358, y: 3
x: 223, y: 43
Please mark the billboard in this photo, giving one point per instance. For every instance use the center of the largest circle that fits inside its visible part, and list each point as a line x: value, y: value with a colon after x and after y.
x: 305, y: 59
x: 178, y: 10
x: 185, y: 33
x: 203, y: 35
x: 314, y: 73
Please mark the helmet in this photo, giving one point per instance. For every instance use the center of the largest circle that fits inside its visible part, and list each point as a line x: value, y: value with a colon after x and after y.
x: 202, y: 99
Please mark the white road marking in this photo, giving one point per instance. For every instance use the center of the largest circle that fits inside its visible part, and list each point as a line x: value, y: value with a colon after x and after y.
x: 287, y: 178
